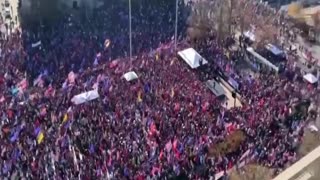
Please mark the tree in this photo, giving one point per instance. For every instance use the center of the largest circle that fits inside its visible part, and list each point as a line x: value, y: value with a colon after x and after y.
x: 221, y: 17
x: 199, y: 21
x: 265, y: 35
x: 231, y: 22
x: 224, y: 20
x: 229, y: 145
x: 207, y: 18
x: 243, y: 15
x: 220, y: 22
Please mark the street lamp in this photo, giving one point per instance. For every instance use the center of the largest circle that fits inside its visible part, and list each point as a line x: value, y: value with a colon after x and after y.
x: 234, y: 95
x: 130, y: 31
x: 176, y: 27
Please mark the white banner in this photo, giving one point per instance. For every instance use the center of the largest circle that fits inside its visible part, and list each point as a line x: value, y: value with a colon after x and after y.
x: 36, y: 44
x: 85, y: 97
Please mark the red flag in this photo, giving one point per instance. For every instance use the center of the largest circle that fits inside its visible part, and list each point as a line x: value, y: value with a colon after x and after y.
x: 176, y: 107
x: 175, y: 144
x: 261, y: 102
x: 161, y: 155
x: 168, y: 146
x: 23, y: 84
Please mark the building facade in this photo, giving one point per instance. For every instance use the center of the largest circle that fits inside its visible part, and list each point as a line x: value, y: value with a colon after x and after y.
x: 307, y: 168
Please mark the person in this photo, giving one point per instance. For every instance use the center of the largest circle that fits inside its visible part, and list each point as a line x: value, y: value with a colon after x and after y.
x: 164, y: 124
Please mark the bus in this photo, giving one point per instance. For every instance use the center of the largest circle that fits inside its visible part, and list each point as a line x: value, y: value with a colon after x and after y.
x: 270, y: 57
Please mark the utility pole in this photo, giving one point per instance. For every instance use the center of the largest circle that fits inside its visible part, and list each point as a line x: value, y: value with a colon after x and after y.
x: 231, y: 6
x: 176, y: 26
x: 130, y: 30
x: 234, y: 95
x: 220, y: 23
x: 279, y: 4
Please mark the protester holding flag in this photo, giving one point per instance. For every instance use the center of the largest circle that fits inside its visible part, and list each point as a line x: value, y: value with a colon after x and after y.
x: 162, y: 125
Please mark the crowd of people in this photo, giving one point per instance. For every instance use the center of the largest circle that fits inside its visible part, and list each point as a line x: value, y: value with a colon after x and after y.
x: 160, y: 126
x: 73, y: 42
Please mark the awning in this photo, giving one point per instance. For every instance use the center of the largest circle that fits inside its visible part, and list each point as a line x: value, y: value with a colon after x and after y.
x: 192, y: 57
x: 310, y: 78
x: 129, y: 76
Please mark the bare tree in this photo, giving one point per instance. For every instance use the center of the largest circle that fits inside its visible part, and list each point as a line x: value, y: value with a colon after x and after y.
x: 265, y: 35
x: 221, y: 17
x: 232, y: 6
x: 201, y: 20
x: 220, y: 23
x: 208, y: 17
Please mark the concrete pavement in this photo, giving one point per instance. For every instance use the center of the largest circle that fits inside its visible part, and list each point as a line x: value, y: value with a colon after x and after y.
x: 314, y: 49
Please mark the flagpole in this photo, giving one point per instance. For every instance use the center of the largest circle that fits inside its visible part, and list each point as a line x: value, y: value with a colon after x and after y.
x: 130, y: 30
x: 176, y: 27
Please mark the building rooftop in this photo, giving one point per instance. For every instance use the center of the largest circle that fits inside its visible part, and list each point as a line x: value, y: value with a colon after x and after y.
x: 306, y: 168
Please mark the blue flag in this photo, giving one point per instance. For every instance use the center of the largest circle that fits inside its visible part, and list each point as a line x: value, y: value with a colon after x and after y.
x: 37, y: 131
x: 15, y: 135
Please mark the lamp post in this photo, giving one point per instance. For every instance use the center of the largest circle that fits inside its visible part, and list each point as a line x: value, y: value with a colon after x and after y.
x: 176, y: 27
x: 234, y: 95
x: 130, y: 31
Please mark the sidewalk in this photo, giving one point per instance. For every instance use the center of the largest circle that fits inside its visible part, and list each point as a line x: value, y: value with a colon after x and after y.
x: 314, y: 49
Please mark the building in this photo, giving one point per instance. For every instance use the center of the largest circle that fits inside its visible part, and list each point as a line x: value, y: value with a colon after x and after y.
x: 306, y: 168
x: 309, y: 16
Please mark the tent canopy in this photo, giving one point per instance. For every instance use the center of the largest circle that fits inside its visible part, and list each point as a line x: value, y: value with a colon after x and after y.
x: 310, y: 78
x: 192, y: 57
x: 85, y: 97
x: 129, y: 76
x: 274, y: 49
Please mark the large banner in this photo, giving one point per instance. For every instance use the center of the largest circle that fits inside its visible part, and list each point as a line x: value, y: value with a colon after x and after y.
x: 85, y: 97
